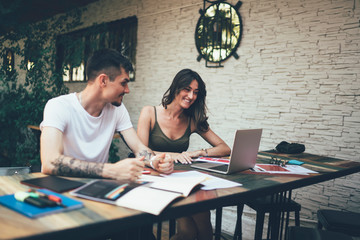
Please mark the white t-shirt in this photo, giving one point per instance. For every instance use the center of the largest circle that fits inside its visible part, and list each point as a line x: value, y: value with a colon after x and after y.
x: 85, y: 137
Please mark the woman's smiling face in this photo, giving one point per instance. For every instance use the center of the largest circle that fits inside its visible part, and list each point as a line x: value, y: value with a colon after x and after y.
x: 187, y: 96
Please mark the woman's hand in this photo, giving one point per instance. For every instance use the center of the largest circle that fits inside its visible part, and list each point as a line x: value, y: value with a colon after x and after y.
x: 186, y: 157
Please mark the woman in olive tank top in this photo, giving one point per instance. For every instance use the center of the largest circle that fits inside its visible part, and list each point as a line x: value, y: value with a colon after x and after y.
x: 167, y: 128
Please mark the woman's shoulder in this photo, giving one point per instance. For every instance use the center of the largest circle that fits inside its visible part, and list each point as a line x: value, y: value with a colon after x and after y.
x: 147, y: 111
x: 193, y: 125
x: 195, y: 128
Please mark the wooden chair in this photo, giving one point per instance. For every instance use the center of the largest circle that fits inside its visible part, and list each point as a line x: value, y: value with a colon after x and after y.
x: 266, y: 205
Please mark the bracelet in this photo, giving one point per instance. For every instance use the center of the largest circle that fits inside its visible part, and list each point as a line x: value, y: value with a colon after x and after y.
x: 151, y: 162
x: 206, y: 152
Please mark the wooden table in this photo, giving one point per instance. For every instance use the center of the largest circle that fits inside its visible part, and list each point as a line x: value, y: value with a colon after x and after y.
x: 98, y: 219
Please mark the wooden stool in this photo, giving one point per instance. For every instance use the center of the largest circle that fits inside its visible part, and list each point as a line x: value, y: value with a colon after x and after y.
x: 302, y: 233
x: 339, y: 221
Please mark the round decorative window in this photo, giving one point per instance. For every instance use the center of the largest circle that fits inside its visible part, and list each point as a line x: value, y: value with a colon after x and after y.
x: 218, y: 32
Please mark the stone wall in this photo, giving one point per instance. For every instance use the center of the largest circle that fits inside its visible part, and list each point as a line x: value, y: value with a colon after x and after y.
x: 297, y: 77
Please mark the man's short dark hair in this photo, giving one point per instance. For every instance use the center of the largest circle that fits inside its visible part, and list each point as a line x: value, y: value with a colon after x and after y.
x: 107, y: 61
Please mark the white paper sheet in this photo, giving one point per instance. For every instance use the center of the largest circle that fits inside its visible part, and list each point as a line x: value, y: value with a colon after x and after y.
x: 210, y: 182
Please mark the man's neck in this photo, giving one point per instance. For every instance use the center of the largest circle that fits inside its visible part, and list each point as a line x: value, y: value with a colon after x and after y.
x: 90, y: 100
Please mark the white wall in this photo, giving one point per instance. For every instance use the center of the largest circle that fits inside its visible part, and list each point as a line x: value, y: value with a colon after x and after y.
x: 297, y: 76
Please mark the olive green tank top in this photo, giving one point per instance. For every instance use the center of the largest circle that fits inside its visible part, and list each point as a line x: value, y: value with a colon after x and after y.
x: 158, y: 141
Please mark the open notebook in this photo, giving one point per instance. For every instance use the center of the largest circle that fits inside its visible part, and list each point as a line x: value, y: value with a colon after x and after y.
x: 151, y: 197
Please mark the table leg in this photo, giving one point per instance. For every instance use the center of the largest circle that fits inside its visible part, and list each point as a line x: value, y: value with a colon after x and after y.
x: 238, y: 227
x: 172, y: 227
x: 218, y: 220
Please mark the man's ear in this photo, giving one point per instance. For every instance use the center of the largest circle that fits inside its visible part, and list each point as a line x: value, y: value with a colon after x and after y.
x: 102, y: 80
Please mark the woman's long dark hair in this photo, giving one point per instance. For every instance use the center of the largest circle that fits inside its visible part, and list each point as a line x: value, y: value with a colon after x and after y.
x: 197, y: 111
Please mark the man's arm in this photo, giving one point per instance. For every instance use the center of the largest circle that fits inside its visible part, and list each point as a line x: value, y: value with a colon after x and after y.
x: 136, y: 145
x: 162, y: 163
x: 54, y: 161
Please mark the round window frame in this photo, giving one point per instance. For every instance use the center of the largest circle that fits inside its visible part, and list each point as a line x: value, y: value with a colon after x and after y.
x: 200, y: 22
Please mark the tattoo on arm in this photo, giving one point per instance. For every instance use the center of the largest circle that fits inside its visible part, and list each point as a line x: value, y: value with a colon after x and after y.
x: 76, y: 168
x: 146, y: 154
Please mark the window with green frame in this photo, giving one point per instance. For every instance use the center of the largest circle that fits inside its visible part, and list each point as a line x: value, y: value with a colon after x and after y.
x: 74, y: 48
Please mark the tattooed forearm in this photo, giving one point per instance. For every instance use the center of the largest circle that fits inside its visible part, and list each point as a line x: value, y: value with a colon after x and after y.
x: 71, y: 167
x: 146, y: 154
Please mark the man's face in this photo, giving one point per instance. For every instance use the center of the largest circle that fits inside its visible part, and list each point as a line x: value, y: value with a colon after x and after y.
x: 118, y: 88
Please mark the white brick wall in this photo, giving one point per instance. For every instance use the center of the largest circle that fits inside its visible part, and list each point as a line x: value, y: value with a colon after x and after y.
x: 298, y: 76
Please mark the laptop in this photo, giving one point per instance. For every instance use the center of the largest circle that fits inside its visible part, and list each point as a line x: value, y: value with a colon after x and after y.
x: 243, y: 154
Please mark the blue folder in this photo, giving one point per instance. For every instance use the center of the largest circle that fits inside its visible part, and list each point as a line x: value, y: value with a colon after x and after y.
x: 33, y: 211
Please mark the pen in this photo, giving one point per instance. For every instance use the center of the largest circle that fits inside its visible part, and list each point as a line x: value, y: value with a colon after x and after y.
x: 52, y: 199
x: 27, y: 198
x: 46, y: 201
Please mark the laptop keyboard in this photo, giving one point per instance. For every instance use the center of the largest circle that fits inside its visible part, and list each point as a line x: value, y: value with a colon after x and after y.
x: 223, y: 167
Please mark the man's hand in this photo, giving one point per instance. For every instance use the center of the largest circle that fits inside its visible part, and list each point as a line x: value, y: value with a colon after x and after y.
x: 129, y: 169
x: 163, y: 163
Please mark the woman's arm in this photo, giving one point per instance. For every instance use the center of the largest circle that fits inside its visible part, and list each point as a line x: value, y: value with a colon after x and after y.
x: 162, y: 162
x: 219, y: 148
x: 143, y: 132
x: 144, y: 124
x: 144, y: 128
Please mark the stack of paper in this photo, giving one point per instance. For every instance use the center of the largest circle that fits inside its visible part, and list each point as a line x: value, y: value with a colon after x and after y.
x: 288, y: 169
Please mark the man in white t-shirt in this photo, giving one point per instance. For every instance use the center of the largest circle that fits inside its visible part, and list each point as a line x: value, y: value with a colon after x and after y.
x: 78, y: 128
